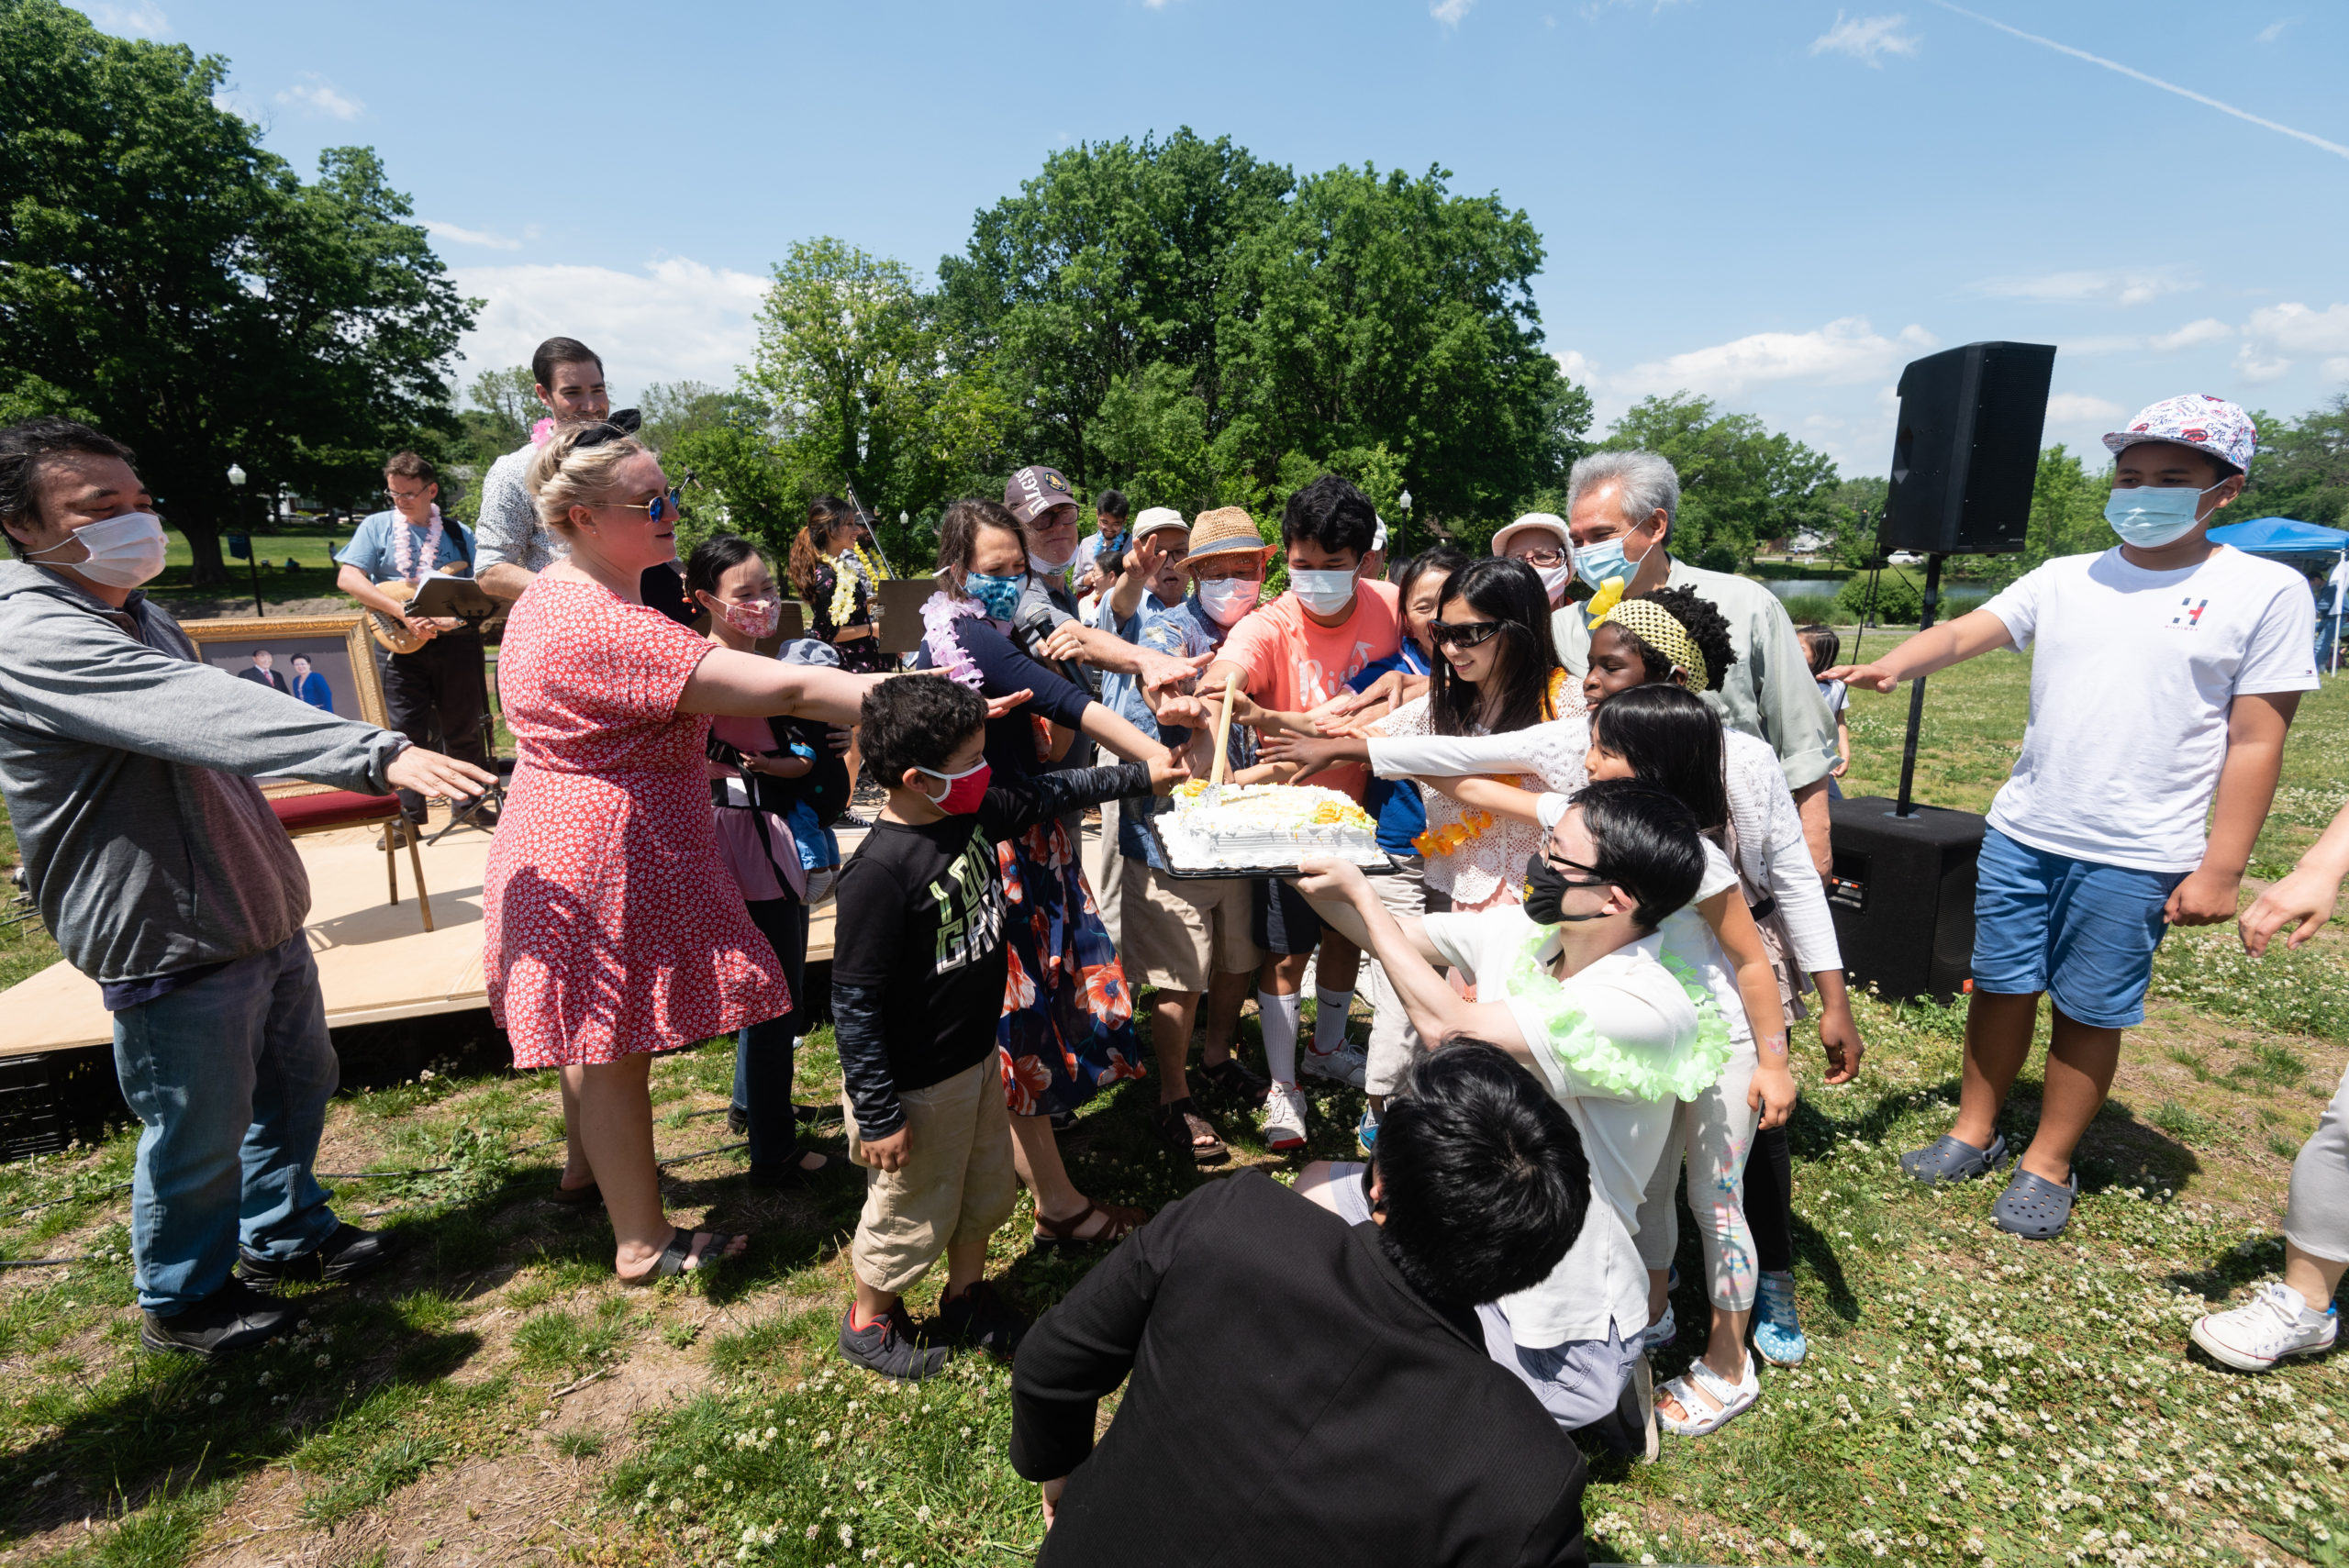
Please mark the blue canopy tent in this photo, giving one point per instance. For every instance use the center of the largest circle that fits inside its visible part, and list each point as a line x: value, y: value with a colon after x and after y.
x: 2289, y: 536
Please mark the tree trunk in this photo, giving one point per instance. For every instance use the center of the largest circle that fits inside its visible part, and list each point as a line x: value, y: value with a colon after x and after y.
x: 204, y: 543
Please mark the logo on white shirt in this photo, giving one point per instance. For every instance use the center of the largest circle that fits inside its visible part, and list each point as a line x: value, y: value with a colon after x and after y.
x: 2189, y: 612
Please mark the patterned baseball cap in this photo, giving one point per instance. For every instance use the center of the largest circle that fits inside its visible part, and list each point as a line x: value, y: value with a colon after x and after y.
x: 1036, y: 490
x: 2193, y: 419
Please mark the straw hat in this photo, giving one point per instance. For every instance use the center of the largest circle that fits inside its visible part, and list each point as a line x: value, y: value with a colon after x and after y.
x: 1224, y: 532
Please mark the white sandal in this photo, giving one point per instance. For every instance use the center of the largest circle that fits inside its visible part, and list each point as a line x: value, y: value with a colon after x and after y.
x: 1734, y: 1399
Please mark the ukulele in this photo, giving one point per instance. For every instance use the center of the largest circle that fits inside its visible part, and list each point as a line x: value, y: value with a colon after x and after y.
x: 392, y: 634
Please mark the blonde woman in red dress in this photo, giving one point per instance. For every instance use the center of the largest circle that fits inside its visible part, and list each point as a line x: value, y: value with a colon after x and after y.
x: 614, y: 929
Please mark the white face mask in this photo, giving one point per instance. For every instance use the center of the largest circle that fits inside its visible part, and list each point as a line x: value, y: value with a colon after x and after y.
x: 1226, y: 599
x: 1323, y: 593
x: 125, y: 551
x: 1049, y: 567
x: 1553, y: 579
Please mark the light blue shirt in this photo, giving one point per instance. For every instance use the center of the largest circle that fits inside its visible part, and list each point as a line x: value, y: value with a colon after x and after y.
x: 1185, y: 630
x: 370, y: 551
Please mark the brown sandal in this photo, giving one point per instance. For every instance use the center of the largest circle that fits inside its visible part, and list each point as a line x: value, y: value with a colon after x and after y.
x: 1189, y: 1134
x: 576, y: 1197
x: 1061, y: 1234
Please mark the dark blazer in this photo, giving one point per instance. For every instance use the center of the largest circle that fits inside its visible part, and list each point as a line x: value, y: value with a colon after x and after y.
x: 262, y: 677
x: 1293, y: 1403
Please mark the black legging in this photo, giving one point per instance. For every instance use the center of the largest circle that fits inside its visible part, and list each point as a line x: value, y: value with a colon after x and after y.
x: 1770, y: 1200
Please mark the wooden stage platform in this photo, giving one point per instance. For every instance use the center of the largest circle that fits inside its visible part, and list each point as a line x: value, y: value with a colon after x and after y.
x: 376, y: 962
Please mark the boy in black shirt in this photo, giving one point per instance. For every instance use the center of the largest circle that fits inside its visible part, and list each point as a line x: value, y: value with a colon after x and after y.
x: 917, y: 984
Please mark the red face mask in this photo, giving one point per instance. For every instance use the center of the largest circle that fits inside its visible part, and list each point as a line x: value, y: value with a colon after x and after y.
x: 964, y: 789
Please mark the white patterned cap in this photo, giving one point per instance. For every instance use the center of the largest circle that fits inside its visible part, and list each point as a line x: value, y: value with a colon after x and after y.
x: 2193, y: 419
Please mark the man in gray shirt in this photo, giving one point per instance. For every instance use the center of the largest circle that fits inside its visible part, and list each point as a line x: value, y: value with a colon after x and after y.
x: 1619, y: 507
x: 127, y: 766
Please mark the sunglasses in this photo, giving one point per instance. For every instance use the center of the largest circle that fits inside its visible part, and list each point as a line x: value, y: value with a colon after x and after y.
x: 1471, y: 635
x: 622, y: 424
x: 659, y: 508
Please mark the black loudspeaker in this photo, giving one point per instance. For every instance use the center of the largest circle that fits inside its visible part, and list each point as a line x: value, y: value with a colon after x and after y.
x: 1967, y: 450
x: 1903, y: 897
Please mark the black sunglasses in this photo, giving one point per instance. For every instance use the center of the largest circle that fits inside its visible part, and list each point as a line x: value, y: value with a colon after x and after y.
x: 1558, y: 862
x: 1469, y: 636
x: 620, y: 424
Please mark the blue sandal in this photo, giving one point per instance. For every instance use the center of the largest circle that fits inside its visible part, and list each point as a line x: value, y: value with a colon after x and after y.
x: 1777, y: 1332
x: 1950, y: 1160
x: 2034, y: 1207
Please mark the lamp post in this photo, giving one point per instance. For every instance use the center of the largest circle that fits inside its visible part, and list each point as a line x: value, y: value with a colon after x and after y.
x: 1403, y: 502
x: 252, y: 552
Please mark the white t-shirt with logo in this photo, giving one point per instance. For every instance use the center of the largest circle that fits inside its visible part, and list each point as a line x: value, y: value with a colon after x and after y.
x: 2134, y: 675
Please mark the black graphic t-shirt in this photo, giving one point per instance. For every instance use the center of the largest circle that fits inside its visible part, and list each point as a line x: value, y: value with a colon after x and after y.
x: 918, y: 963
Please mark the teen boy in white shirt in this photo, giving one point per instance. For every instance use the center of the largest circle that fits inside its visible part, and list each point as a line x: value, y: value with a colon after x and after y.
x: 2166, y: 671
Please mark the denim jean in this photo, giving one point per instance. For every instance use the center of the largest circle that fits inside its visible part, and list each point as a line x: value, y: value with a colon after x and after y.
x: 763, y: 1051
x: 231, y: 1076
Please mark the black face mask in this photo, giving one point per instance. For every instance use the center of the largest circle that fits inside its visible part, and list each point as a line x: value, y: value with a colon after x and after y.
x: 1545, y: 889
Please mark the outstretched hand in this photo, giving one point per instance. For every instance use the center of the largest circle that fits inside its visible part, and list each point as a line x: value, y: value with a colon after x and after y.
x: 998, y: 708
x: 429, y: 772
x: 2303, y: 901
x: 1167, y: 769
x: 1864, y: 677
x: 1312, y: 755
x: 1326, y: 879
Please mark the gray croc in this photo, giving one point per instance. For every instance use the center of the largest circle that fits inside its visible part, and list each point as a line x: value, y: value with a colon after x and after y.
x: 2034, y: 1207
x: 1950, y: 1161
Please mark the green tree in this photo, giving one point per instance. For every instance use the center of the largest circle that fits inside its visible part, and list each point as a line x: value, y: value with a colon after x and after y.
x: 1740, y: 483
x: 1854, y: 508
x: 500, y: 407
x: 2301, y: 468
x: 164, y: 273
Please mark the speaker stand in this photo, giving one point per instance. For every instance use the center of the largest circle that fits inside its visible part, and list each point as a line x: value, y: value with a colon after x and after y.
x: 1905, y: 807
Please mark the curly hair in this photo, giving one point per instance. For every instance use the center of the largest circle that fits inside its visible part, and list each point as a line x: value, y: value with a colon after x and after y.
x: 825, y: 514
x: 917, y: 721
x: 1706, y: 626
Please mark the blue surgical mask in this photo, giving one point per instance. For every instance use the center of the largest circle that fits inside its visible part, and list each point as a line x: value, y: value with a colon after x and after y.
x: 1323, y: 593
x: 1595, y: 563
x: 996, y: 596
x: 2152, y: 516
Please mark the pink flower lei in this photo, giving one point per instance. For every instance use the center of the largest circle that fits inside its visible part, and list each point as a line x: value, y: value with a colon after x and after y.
x: 938, y: 614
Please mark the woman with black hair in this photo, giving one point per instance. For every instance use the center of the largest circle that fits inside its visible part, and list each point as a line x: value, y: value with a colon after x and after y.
x: 1497, y: 672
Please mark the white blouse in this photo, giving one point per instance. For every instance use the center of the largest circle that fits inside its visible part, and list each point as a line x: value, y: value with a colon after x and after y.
x: 1494, y: 861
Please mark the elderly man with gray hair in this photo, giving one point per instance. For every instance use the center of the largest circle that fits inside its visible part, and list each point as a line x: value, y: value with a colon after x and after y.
x: 1619, y: 507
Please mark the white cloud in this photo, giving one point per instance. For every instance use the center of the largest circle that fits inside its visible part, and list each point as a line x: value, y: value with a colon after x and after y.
x: 141, y: 20
x: 321, y: 97
x: 2210, y: 330
x: 231, y: 102
x: 2253, y: 366
x: 676, y: 321
x: 1578, y: 367
x: 451, y: 232
x: 1840, y: 353
x: 2272, y: 30
x: 2296, y: 329
x: 2070, y: 407
x: 2135, y: 285
x: 2337, y: 369
x: 1867, y: 38
x: 1449, y: 12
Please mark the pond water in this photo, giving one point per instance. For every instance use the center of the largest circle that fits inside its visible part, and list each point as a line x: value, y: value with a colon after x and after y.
x: 1968, y: 593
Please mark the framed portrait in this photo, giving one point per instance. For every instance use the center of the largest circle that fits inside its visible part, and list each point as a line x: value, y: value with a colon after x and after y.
x: 328, y: 661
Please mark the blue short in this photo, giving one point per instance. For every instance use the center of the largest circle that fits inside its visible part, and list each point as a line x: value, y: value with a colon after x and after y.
x: 2080, y: 931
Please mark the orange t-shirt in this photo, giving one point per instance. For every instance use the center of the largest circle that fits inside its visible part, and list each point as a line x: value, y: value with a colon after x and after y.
x: 1294, y: 663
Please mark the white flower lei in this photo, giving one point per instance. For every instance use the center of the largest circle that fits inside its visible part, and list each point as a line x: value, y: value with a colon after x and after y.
x: 404, y: 547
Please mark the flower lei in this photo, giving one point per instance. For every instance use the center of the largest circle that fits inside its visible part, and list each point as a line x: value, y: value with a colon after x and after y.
x: 938, y: 614
x: 542, y: 432
x: 404, y: 547
x: 1475, y: 825
x: 846, y: 571
x: 1570, y: 1040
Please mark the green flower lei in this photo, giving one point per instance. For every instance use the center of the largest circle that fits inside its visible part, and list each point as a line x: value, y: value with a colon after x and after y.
x: 1570, y: 1039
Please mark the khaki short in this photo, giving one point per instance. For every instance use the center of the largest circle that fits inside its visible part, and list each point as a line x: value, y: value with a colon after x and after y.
x: 957, y: 1186
x: 1179, y: 933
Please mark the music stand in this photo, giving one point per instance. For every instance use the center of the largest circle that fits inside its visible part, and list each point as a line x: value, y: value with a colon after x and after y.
x: 462, y: 598
x: 897, y: 613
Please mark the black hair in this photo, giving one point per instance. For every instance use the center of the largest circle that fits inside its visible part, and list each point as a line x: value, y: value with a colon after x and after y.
x: 1113, y: 503
x: 1673, y: 743
x: 712, y: 558
x: 23, y: 450
x: 1823, y: 646
x: 1510, y: 592
x: 1481, y: 1177
x: 1440, y: 558
x: 918, y: 721
x: 1648, y: 845
x: 1332, y: 514
x: 1705, y: 624
x: 556, y: 352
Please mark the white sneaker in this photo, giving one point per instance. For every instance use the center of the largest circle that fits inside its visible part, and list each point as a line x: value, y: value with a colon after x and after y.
x: 1348, y: 1064
x: 1284, y: 1118
x: 1660, y: 1332
x: 2272, y: 1326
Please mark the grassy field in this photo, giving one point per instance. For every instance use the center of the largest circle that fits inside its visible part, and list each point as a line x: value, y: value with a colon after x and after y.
x: 496, y: 1398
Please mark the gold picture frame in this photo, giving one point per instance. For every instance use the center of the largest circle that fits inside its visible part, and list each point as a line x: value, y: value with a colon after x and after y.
x: 341, y: 676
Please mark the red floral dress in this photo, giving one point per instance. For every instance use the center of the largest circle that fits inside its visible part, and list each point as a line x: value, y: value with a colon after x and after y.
x: 612, y: 924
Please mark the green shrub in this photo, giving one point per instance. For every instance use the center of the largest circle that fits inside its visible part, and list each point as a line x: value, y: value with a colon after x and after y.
x: 1899, y: 599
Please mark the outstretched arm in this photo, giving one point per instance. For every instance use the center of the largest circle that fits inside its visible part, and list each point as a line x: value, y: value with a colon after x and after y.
x: 1341, y: 894
x: 1936, y: 647
x: 2303, y: 900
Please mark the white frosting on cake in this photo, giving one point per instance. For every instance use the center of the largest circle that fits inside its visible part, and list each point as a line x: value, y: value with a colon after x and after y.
x: 1267, y: 827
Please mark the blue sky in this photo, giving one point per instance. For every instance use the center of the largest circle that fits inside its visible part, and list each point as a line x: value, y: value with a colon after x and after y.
x: 1773, y: 204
